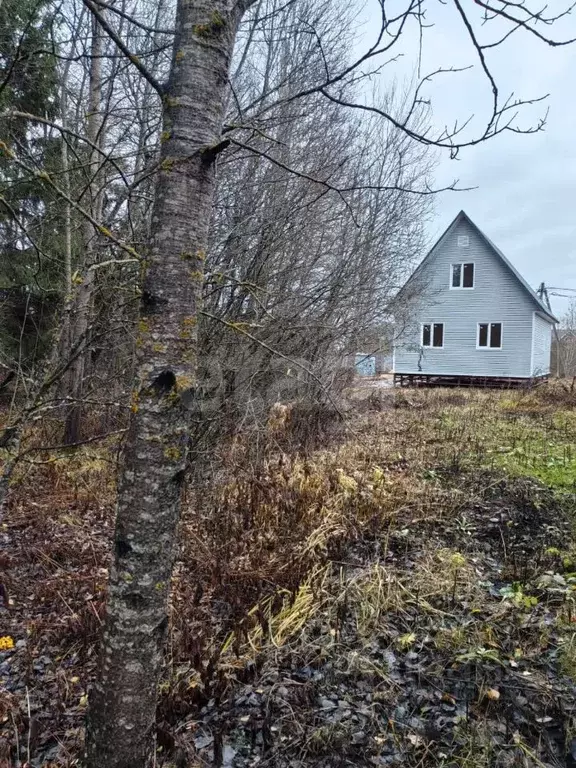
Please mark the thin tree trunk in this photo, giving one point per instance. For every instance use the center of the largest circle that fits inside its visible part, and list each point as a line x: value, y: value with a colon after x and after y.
x: 123, y: 700
x: 74, y: 390
x: 67, y: 215
x: 83, y: 300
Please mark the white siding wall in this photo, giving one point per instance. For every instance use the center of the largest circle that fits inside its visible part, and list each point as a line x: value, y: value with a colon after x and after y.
x: 541, y: 346
x: 497, y: 296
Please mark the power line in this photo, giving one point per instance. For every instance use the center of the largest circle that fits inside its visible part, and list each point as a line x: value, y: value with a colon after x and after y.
x: 556, y: 288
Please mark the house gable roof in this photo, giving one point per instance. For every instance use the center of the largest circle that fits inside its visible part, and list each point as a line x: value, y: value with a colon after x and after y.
x: 462, y: 216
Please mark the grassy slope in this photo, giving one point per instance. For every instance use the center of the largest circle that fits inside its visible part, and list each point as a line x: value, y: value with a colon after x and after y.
x: 402, y: 597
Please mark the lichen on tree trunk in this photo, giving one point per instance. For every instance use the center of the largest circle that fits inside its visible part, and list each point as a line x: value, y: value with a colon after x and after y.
x: 123, y: 700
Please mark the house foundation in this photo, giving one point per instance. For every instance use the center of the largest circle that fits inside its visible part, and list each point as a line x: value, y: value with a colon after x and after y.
x: 482, y: 382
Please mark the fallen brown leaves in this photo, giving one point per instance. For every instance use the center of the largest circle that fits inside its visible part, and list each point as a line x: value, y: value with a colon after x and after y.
x: 361, y: 603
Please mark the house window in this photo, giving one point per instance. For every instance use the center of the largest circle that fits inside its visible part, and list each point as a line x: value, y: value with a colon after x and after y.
x: 462, y: 275
x: 490, y: 335
x: 463, y: 241
x: 433, y: 335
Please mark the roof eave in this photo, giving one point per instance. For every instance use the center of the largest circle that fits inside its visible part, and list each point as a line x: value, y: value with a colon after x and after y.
x: 541, y: 307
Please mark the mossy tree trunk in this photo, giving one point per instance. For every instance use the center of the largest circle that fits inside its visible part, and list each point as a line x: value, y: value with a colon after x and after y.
x: 123, y: 701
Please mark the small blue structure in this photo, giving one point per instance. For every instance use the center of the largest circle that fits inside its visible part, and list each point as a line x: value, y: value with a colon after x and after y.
x: 365, y: 365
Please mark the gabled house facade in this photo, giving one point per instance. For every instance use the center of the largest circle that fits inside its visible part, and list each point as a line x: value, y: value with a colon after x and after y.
x: 474, y: 319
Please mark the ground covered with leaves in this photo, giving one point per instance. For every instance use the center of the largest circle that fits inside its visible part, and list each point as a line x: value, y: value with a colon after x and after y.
x: 400, y: 593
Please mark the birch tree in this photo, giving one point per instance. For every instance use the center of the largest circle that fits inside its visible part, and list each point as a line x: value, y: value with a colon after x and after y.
x: 94, y: 190
x: 123, y: 701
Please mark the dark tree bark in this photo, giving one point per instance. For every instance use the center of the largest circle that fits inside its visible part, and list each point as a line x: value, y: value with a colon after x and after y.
x: 123, y: 700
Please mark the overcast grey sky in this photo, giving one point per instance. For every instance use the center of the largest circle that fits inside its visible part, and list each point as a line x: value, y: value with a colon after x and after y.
x: 525, y: 196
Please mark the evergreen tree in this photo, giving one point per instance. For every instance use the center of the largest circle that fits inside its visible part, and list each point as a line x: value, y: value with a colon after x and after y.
x: 30, y: 265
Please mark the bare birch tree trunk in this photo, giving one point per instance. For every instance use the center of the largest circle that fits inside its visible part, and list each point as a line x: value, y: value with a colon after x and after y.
x: 123, y: 700
x: 79, y: 328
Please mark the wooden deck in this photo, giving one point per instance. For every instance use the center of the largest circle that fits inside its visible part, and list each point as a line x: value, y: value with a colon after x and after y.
x: 481, y: 382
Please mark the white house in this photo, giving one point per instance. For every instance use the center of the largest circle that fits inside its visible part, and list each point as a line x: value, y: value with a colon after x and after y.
x: 473, y: 318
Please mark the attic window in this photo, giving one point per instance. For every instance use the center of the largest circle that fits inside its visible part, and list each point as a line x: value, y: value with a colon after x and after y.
x: 462, y: 275
x: 490, y: 335
x: 463, y: 241
x: 433, y: 335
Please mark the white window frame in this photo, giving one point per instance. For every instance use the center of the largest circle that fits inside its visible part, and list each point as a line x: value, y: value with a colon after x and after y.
x: 431, y: 345
x: 489, y: 348
x: 463, y: 241
x: 461, y: 287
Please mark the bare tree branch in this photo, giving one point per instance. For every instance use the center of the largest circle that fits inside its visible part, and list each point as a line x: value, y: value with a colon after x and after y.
x: 135, y: 60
